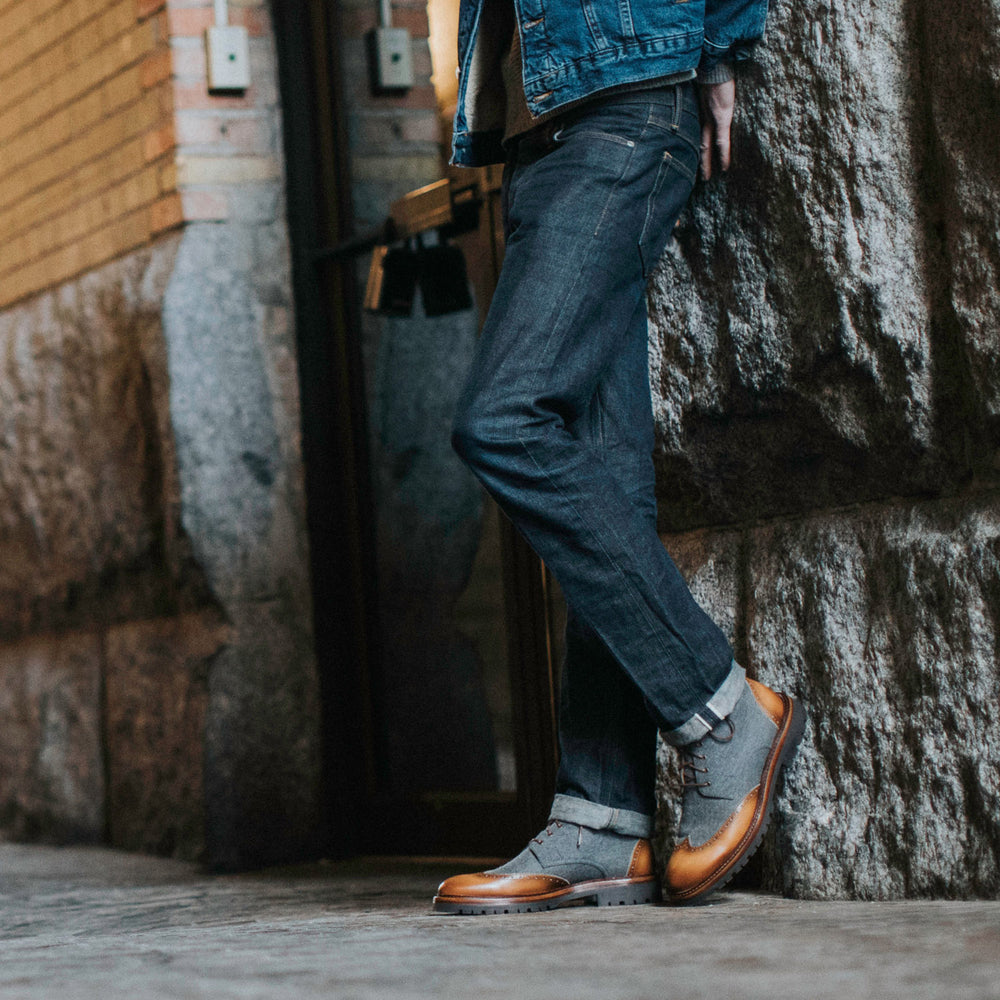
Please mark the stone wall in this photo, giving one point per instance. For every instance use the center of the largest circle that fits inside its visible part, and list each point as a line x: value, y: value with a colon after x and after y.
x: 827, y: 389
x: 157, y: 679
x: 158, y: 682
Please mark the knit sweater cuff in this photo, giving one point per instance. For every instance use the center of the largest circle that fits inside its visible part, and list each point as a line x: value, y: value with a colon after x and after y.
x: 720, y: 73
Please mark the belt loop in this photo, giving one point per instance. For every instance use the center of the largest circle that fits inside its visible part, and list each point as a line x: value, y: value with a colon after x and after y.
x: 678, y: 103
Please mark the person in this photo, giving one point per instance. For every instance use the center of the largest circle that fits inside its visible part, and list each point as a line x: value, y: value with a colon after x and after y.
x: 594, y: 107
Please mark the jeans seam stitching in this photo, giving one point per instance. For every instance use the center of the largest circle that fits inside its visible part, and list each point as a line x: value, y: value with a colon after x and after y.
x: 640, y: 605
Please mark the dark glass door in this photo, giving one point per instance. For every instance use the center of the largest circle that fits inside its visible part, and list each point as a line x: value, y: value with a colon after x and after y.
x: 437, y: 628
x: 463, y: 684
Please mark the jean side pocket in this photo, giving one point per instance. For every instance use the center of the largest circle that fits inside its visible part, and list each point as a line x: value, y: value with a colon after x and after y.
x: 683, y: 131
x: 662, y: 208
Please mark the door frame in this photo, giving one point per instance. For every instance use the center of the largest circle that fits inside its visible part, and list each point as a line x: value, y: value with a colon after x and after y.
x: 357, y: 816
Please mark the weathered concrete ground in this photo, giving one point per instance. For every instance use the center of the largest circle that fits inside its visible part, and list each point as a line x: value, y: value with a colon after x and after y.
x: 92, y: 923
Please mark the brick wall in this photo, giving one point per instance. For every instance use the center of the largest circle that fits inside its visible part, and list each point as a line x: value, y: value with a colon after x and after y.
x: 85, y: 112
x: 109, y: 134
x: 225, y: 144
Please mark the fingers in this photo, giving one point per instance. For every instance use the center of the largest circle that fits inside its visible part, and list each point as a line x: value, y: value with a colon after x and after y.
x: 718, y: 101
x: 706, y: 149
x: 722, y: 142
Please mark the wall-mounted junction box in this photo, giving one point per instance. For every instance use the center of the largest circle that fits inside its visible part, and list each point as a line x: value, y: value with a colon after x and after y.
x: 393, y: 63
x: 228, y: 58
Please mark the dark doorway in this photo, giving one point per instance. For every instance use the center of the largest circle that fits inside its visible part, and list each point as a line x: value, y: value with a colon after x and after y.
x: 437, y: 630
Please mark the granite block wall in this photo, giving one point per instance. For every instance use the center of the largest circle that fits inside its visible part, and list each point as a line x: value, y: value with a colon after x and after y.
x: 157, y: 673
x: 158, y: 684
x: 825, y: 382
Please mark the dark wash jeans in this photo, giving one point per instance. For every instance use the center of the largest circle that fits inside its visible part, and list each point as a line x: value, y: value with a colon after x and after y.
x: 556, y: 421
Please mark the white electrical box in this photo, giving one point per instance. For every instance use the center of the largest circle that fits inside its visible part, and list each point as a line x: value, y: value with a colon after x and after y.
x: 393, y: 61
x: 228, y: 57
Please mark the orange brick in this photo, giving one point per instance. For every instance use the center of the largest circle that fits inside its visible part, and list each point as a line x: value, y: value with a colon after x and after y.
x: 46, y: 28
x: 159, y: 142
x: 414, y: 20
x: 120, y: 235
x: 104, y: 135
x: 166, y: 213
x: 68, y: 64
x: 116, y: 238
x: 88, y: 95
x: 163, y: 95
x: 143, y: 8
x: 117, y: 20
x: 256, y: 20
x: 18, y: 18
x: 189, y: 22
x: 92, y: 214
x: 69, y: 190
x: 168, y: 177
x: 160, y: 25
x: 50, y: 121
x: 120, y: 89
x: 156, y: 68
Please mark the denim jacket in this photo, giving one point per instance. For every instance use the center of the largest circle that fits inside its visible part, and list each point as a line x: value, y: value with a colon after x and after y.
x: 571, y: 49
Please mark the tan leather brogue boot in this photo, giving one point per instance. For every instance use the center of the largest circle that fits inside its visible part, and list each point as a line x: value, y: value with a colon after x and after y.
x: 564, y: 865
x: 730, y: 777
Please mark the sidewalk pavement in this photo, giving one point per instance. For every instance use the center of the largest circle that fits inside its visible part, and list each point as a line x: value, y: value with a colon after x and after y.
x: 93, y: 923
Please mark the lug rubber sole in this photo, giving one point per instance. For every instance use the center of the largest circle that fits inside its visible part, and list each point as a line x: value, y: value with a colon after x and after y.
x: 783, y: 750
x: 608, y: 892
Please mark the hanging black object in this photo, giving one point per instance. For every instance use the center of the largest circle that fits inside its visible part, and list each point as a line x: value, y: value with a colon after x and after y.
x: 400, y: 268
x: 444, y: 285
x: 393, y: 273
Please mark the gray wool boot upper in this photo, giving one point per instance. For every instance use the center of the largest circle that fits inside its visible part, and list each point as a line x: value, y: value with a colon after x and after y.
x: 567, y: 864
x: 722, y: 768
x: 575, y: 853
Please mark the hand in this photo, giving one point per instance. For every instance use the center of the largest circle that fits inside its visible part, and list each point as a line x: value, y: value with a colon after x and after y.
x: 717, y: 103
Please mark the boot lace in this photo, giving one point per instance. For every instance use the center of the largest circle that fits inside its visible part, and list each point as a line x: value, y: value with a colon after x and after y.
x: 692, y: 762
x: 558, y: 825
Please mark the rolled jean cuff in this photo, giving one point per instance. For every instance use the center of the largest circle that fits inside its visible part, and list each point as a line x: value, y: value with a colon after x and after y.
x: 570, y: 809
x: 717, y: 708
